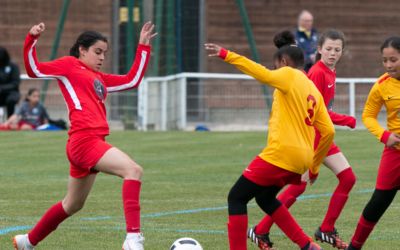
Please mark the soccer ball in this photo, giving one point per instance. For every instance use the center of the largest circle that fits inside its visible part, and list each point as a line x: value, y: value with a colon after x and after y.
x: 186, y: 244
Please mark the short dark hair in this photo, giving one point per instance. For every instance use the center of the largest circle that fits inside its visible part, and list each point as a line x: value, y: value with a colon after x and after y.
x: 333, y: 35
x: 286, y: 44
x: 393, y: 42
x: 30, y: 92
x: 85, y: 40
x: 4, y: 57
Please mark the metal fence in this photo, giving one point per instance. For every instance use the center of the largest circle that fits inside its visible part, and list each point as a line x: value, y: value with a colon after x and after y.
x: 226, y: 101
x: 187, y: 100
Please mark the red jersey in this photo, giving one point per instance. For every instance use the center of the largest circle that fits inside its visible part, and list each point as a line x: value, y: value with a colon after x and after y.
x: 84, y: 89
x: 325, y: 80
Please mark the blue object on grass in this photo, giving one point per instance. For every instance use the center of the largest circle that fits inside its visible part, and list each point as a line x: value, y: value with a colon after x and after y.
x: 48, y: 127
x: 201, y: 128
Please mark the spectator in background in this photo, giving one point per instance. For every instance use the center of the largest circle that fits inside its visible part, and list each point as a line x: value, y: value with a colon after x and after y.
x: 29, y: 115
x: 9, y: 82
x: 307, y: 38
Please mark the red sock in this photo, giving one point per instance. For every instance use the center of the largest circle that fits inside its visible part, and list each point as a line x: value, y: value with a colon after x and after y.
x: 339, y: 198
x: 130, y: 198
x: 364, y: 228
x: 287, y: 198
x: 237, y: 232
x: 48, y: 223
x: 289, y: 226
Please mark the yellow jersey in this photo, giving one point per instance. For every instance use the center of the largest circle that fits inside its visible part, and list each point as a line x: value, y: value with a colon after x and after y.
x: 386, y: 91
x: 297, y: 107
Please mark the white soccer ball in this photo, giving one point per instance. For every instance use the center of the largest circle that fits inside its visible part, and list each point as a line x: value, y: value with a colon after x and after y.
x: 186, y: 244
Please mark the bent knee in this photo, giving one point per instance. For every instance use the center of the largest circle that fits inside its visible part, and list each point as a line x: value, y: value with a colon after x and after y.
x: 347, y: 178
x: 132, y: 171
x: 72, y: 207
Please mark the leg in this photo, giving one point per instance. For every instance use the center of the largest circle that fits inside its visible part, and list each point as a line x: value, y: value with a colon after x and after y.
x: 340, y: 166
x: 287, y: 197
x: 116, y: 162
x: 240, y: 194
x: 281, y: 216
x: 373, y: 211
x: 78, y: 190
x: 11, y: 100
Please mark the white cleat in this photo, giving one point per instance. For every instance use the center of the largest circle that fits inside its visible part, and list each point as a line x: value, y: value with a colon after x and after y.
x: 133, y: 242
x: 21, y: 242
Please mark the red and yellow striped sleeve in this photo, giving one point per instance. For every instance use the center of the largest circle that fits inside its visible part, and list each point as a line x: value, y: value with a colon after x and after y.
x: 370, y: 114
x: 324, y: 125
x: 281, y: 79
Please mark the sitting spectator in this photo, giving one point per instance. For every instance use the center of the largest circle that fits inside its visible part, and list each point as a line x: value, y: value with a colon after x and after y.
x: 9, y: 82
x: 29, y: 115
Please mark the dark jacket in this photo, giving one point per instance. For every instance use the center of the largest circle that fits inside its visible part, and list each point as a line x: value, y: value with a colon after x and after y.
x: 9, y: 78
x: 308, y: 45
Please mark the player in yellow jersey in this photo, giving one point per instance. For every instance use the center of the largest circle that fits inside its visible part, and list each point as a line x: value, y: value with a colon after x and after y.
x: 297, y: 107
x: 385, y: 92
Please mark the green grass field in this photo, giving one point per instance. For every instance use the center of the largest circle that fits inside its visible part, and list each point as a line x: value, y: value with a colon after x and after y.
x: 186, y: 181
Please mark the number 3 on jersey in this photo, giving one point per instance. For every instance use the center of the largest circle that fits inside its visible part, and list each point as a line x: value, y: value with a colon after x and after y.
x: 311, y: 103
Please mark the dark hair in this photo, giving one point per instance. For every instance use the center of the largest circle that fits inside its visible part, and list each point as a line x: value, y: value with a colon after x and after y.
x: 85, y: 40
x: 4, y: 57
x: 286, y: 44
x: 30, y: 92
x: 333, y: 35
x: 393, y: 42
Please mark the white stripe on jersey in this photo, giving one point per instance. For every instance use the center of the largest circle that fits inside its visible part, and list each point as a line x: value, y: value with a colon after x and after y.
x: 135, y: 80
x: 63, y: 79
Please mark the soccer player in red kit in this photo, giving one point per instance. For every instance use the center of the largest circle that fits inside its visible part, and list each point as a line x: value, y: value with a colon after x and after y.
x: 297, y: 107
x: 330, y: 47
x: 385, y: 92
x: 85, y: 89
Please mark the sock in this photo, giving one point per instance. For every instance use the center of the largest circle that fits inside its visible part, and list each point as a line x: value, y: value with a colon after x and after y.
x: 364, y: 228
x: 130, y: 198
x: 339, y: 198
x: 288, y: 197
x: 48, y: 223
x: 237, y: 232
x: 290, y: 227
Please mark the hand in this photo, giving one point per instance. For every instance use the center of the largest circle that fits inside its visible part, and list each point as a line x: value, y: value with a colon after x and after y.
x: 393, y: 140
x: 213, y: 49
x: 352, y: 122
x: 37, y: 29
x: 313, y: 177
x: 146, y: 34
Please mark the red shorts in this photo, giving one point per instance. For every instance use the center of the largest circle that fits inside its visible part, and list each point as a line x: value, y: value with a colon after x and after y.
x: 265, y: 174
x: 333, y: 149
x: 83, y: 152
x: 22, y: 123
x: 389, y: 170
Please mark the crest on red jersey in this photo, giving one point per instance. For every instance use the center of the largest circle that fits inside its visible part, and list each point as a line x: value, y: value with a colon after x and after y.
x: 99, y: 89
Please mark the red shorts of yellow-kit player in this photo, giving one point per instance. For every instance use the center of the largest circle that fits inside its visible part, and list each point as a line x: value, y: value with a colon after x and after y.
x: 389, y: 170
x: 84, y: 151
x: 265, y: 174
x: 333, y: 149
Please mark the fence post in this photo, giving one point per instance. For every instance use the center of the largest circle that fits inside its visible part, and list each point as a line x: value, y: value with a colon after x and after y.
x: 182, y: 82
x: 352, y: 98
x: 143, y: 105
x: 164, y: 103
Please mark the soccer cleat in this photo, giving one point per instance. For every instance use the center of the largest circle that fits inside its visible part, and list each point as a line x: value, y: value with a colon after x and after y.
x: 21, y: 242
x: 261, y: 240
x: 331, y: 238
x: 133, y: 242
